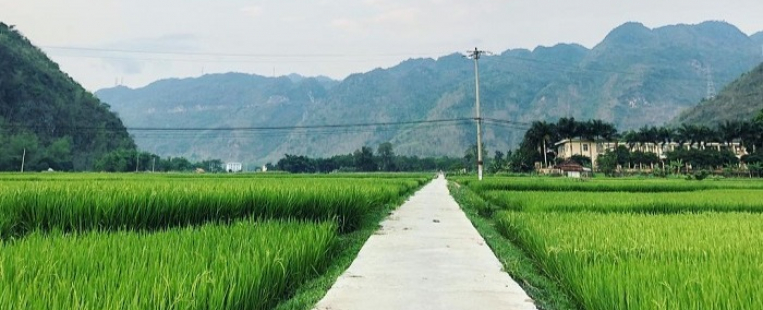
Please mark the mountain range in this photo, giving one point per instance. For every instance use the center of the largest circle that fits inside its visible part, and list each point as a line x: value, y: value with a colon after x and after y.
x: 636, y: 76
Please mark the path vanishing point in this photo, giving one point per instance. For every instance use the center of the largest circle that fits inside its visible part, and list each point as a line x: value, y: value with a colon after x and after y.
x: 427, y: 255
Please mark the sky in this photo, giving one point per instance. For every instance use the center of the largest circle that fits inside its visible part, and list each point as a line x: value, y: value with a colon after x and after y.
x: 102, y: 43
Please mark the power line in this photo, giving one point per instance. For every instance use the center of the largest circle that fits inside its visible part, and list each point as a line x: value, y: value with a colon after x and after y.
x: 215, y: 54
x: 242, y: 129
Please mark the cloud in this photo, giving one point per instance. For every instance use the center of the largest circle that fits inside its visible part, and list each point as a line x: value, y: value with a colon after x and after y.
x: 252, y: 11
x: 398, y: 16
x: 346, y: 24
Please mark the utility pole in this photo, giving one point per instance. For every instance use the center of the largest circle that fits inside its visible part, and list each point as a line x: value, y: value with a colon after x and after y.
x: 23, y: 158
x: 476, y: 54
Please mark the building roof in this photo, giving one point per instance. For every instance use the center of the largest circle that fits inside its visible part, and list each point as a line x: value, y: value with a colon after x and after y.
x: 569, y: 165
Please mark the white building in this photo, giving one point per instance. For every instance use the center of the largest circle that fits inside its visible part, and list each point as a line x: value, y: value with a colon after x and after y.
x: 593, y: 149
x: 234, y: 167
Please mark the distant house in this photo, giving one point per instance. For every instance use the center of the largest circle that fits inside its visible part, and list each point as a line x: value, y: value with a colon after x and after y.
x: 573, y: 169
x: 567, y: 148
x: 234, y: 167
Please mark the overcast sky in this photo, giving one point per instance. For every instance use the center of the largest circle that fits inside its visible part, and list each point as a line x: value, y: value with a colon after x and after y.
x: 135, y: 42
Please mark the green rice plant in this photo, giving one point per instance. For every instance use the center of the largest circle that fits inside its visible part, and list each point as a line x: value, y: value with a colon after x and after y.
x: 605, y: 185
x: 151, y: 203
x: 637, y: 202
x: 637, y: 261
x: 245, y: 265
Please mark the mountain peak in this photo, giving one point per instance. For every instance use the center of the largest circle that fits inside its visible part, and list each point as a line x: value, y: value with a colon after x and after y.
x: 628, y: 33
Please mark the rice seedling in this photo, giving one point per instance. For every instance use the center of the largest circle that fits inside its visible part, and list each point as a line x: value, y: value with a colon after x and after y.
x: 245, y: 265
x: 605, y: 185
x: 637, y: 202
x: 151, y: 203
x: 637, y: 261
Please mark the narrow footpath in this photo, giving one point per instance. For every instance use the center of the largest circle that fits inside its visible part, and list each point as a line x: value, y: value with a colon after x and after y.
x: 427, y: 255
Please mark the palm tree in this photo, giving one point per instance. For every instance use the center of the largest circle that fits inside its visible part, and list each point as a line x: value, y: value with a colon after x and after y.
x: 631, y: 138
x: 688, y: 133
x: 587, y: 131
x: 706, y: 134
x: 567, y: 128
x: 665, y: 135
x: 540, y: 134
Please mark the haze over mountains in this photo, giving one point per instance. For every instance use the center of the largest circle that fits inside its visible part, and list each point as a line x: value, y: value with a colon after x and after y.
x: 636, y: 76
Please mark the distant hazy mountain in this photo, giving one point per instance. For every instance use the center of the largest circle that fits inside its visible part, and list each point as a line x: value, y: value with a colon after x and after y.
x: 740, y: 100
x: 231, y: 100
x: 758, y: 38
x: 636, y: 76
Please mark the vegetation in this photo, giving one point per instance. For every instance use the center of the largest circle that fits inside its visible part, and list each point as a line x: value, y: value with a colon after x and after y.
x: 245, y: 265
x: 100, y: 241
x: 630, y: 148
x: 633, y: 244
x: 150, y: 203
x: 735, y: 103
x: 630, y: 261
x: 47, y: 120
x: 724, y: 200
x: 545, y: 292
x: 636, y: 185
x: 364, y: 160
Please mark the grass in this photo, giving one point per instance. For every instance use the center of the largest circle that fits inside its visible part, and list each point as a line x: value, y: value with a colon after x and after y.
x: 636, y: 261
x: 348, y: 247
x: 617, y: 202
x: 246, y: 265
x: 547, y: 184
x: 625, y: 244
x: 152, y: 203
x: 546, y: 293
x: 79, y: 237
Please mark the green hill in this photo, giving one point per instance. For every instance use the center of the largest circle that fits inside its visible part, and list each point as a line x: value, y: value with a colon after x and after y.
x: 636, y: 76
x: 46, y: 115
x: 740, y: 100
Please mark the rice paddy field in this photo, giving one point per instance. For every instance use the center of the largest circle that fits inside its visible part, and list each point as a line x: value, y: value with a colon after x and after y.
x: 637, y: 244
x: 132, y: 241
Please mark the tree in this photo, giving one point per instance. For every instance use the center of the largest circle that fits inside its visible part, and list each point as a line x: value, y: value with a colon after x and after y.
x: 386, y: 157
x: 541, y: 134
x: 364, y: 159
x: 607, y: 163
x: 295, y: 164
x: 498, y: 162
x: 470, y: 156
x: 209, y: 165
x: 58, y: 155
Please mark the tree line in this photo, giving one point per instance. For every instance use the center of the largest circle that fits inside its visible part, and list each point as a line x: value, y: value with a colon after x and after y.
x: 365, y: 159
x: 539, y: 139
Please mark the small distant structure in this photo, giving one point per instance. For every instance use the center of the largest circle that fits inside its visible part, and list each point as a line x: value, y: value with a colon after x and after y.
x: 264, y: 168
x: 572, y: 169
x: 234, y: 167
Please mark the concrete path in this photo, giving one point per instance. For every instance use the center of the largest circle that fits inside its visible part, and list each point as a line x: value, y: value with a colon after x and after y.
x: 427, y: 255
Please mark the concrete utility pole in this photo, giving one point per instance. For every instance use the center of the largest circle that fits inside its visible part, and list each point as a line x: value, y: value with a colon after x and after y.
x: 476, y: 54
x: 23, y: 159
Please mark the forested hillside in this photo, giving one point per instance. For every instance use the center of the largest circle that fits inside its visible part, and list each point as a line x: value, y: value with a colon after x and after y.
x: 46, y: 118
x: 636, y: 76
x: 737, y: 102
